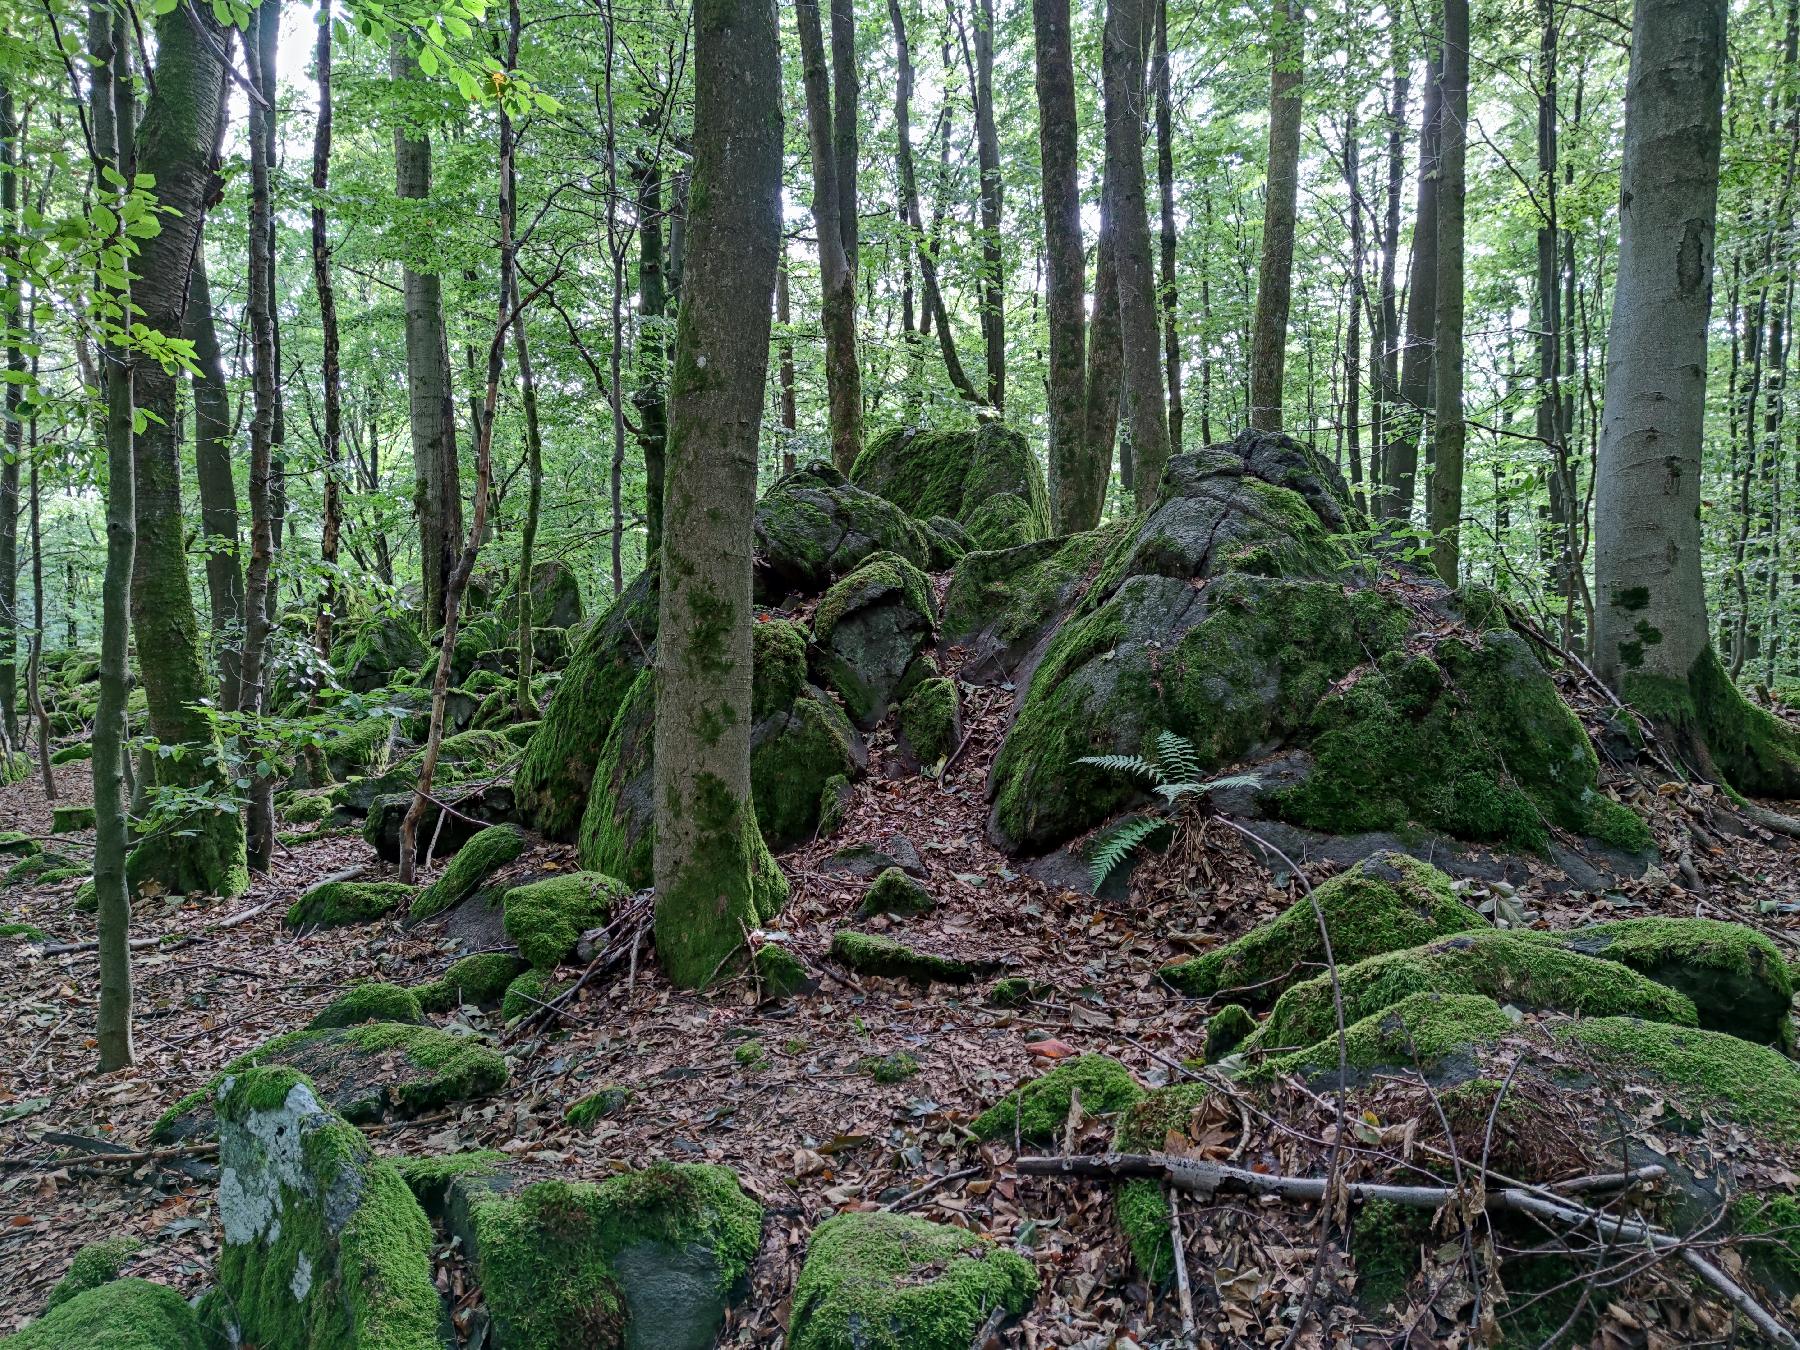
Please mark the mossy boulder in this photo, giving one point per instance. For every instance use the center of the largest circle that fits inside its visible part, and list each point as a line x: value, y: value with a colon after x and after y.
x: 1510, y: 968
x: 1000, y: 604
x: 985, y: 478
x: 645, y: 1260
x: 893, y: 892
x: 527, y: 993
x: 69, y: 819
x: 813, y: 525
x: 324, y: 1243
x: 17, y: 844
x: 931, y: 720
x: 545, y: 919
x: 585, y: 1111
x: 1421, y: 1030
x: 779, y: 973
x: 872, y: 954
x: 1227, y: 1029
x: 374, y: 1001
x: 1036, y: 1110
x: 333, y: 904
x: 475, y: 806
x: 484, y: 854
x: 1737, y: 978
x: 555, y: 597
x: 376, y: 651
x: 117, y: 1315
x: 872, y: 631
x: 462, y: 757
x: 1142, y: 1209
x: 875, y: 1281
x: 78, y: 753
x: 307, y: 808
x: 480, y: 979
x: 364, y: 1073
x: 96, y: 1264
x: 1387, y: 902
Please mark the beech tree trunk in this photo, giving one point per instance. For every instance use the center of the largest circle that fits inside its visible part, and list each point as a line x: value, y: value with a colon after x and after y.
x: 1165, y: 183
x: 534, y: 498
x: 11, y: 461
x: 993, y: 253
x: 218, y: 489
x: 1402, y: 456
x: 333, y: 510
x: 1386, y: 335
x: 1100, y: 416
x: 1450, y: 431
x: 714, y: 876
x: 651, y: 398
x: 1127, y: 40
x: 1074, y: 505
x: 1274, y: 286
x: 843, y: 368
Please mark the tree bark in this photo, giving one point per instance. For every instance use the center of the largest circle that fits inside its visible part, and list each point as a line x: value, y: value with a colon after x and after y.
x: 785, y: 374
x: 714, y: 876
x: 1274, y: 286
x: 1353, y: 321
x: 1386, y: 335
x: 333, y: 509
x: 1073, y: 505
x: 1402, y: 456
x: 846, y: 98
x: 1450, y: 431
x: 1100, y: 416
x: 843, y: 367
x: 12, y: 460
x: 1165, y: 182
x: 1127, y: 39
x: 651, y: 398
x: 218, y: 490
x: 993, y: 252
x: 534, y: 497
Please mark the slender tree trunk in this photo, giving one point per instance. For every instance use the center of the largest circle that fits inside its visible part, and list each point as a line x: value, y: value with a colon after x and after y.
x: 534, y: 495
x: 1128, y: 29
x: 714, y: 877
x: 34, y: 671
x: 1105, y: 359
x: 843, y: 367
x: 1387, y: 329
x: 112, y: 118
x: 1274, y: 287
x: 993, y: 254
x: 785, y: 374
x: 846, y: 96
x: 333, y: 512
x: 1421, y: 309
x: 651, y: 399
x: 1165, y: 182
x: 1206, y: 320
x: 437, y: 494
x: 1074, y: 505
x: 218, y: 490
x: 1450, y: 432
x: 617, y: 242
x: 1352, y: 420
x: 11, y: 461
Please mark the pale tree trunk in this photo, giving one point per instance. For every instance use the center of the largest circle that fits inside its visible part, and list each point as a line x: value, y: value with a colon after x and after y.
x: 651, y: 398
x: 332, y: 525
x: 1072, y: 507
x: 1651, y: 634
x: 1402, y: 455
x: 837, y: 277
x: 1386, y: 336
x: 34, y: 671
x: 1274, y: 286
x: 617, y: 242
x: 714, y: 876
x: 1128, y: 30
x: 1450, y: 432
x: 846, y: 102
x: 1165, y: 182
x: 1353, y: 322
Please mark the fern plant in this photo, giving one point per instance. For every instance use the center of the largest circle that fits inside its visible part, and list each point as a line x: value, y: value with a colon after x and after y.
x: 1173, y: 775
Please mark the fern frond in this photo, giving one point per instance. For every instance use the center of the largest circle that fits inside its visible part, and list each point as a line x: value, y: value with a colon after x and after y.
x: 1173, y: 792
x: 1179, y: 761
x: 1136, y: 764
x: 1116, y: 847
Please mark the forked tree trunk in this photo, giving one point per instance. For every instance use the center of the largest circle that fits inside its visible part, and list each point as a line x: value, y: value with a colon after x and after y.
x: 1073, y: 504
x: 714, y: 877
x: 1274, y: 286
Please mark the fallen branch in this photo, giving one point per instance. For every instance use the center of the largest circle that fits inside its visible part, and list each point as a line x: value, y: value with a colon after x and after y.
x: 1184, y: 1292
x: 919, y: 1193
x: 168, y: 941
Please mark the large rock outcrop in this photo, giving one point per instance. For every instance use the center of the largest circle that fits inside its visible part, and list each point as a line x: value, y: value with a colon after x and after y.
x: 984, y: 478
x: 1239, y: 614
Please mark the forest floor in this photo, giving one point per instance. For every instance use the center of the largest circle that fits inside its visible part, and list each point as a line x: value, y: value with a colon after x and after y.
x: 807, y: 1130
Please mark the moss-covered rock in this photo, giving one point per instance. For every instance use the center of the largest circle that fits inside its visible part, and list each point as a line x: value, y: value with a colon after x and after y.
x: 1508, y: 967
x: 29, y: 932
x: 1420, y: 1030
x: 376, y: 651
x: 69, y: 819
x: 78, y: 753
x: 307, y: 808
x: 1385, y: 903
x: 931, y: 719
x: 893, y: 892
x: 779, y: 973
x: 1771, y: 1225
x: 474, y: 807
x: 546, y: 918
x: 370, y: 1002
x: 1737, y: 978
x: 596, y: 1105
x: 797, y: 755
x: 876, y: 1281
x: 872, y: 631
x: 96, y: 1264
x: 201, y: 853
x: 1000, y: 604
x: 641, y: 1261
x: 17, y: 844
x: 478, y: 859
x: 985, y: 478
x: 872, y: 954
x: 363, y: 1073
x: 332, y: 904
x: 529, y: 992
x: 462, y: 757
x: 324, y: 1243
x: 555, y: 597
x: 118, y: 1315
x: 1227, y: 1029
x: 33, y: 865
x: 480, y: 979
x: 1141, y: 1206
x: 814, y: 525
x: 1038, y: 1108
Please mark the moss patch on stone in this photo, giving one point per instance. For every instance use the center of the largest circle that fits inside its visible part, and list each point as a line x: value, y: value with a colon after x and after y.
x: 1038, y: 1109
x: 1142, y: 1209
x: 480, y: 979
x: 929, y: 719
x: 872, y: 954
x: 529, y: 992
x: 1227, y: 1029
x: 333, y: 904
x: 985, y: 478
x: 69, y: 819
x: 1385, y: 903
x: 585, y: 1111
x: 371, y: 1002
x: 1419, y: 1030
x: 478, y: 859
x: 892, y: 1282
x: 546, y: 918
x: 888, y: 1069
x: 893, y: 892
x: 119, y: 1315
x: 779, y: 972
x: 1758, y: 753
x: 96, y: 1264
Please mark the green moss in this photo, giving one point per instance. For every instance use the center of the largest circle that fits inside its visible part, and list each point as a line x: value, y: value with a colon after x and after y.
x: 928, y: 719
x: 423, y: 1176
x: 1421, y: 1029
x: 200, y: 854
x: 333, y: 904
x: 749, y: 1055
x: 891, y: 1282
x: 1142, y: 1209
x: 1013, y: 593
x: 778, y: 662
x: 87, y: 897
x: 984, y: 478
x: 1384, y: 1240
x: 1705, y: 1071
x: 888, y: 1069
x: 96, y: 1264
x: 1038, y: 1109
x: 120, y: 1315
x: 30, y: 932
x: 69, y: 819
x: 306, y: 810
x: 1228, y: 1028
x: 606, y: 1101
x: 872, y: 954
x: 485, y: 853
x: 1507, y: 967
x: 480, y: 979
x: 793, y: 766
x: 77, y: 753
x: 1015, y: 991
x: 893, y: 892
x: 615, y: 838
x: 371, y: 1002
x: 779, y: 972
x: 18, y: 844
x: 33, y: 865
x: 728, y: 884
x: 834, y: 803
x: 1385, y: 903
x: 529, y: 992
x: 546, y: 918
x: 1772, y: 1223
x: 1758, y: 753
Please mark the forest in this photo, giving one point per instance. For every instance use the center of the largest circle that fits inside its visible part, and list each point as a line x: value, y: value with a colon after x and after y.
x: 924, y: 675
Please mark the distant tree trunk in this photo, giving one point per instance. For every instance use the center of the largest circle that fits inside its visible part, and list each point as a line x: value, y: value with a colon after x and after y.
x: 1552, y: 406
x: 1274, y: 286
x: 175, y: 146
x: 1387, y: 328
x: 1652, y: 639
x: 846, y: 98
x: 714, y: 876
x: 534, y: 495
x: 1206, y: 318
x: 843, y: 368
x: 437, y: 494
x: 993, y: 253
x: 1421, y: 308
x: 1450, y: 431
x: 785, y: 376
x: 112, y: 118
x: 1165, y: 182
x: 651, y: 398
x: 218, y: 489
x: 617, y: 242
x: 12, y: 459
x: 333, y: 511
x: 1073, y: 506
x: 35, y: 668
x: 1100, y: 416
x: 1128, y: 29
x: 1353, y: 320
